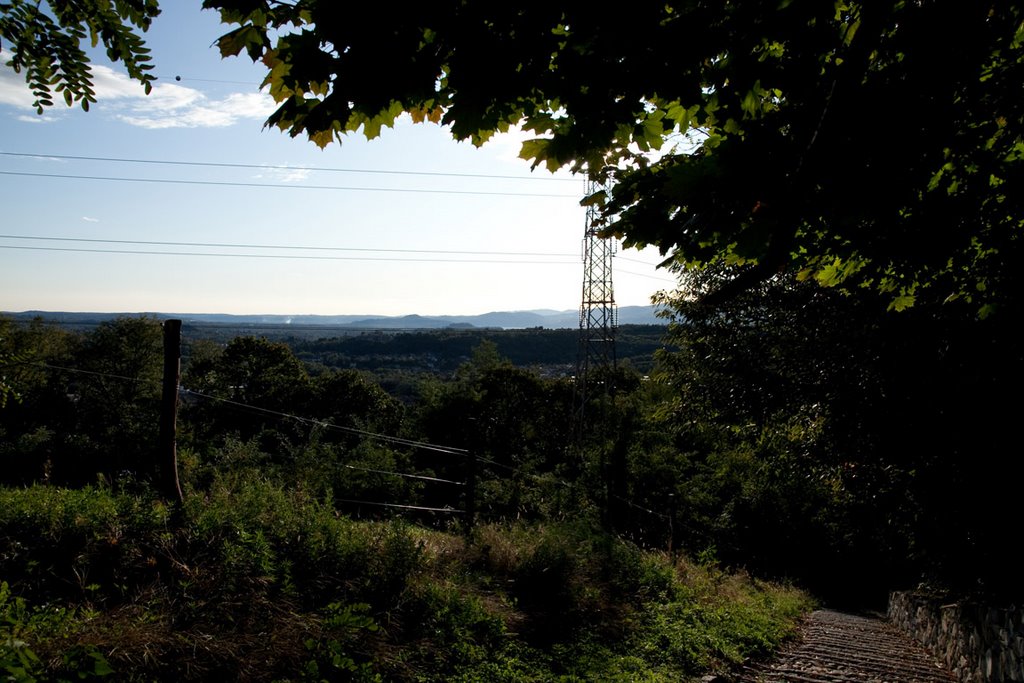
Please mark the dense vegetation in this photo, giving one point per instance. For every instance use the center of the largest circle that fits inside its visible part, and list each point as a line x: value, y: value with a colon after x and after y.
x: 283, y: 539
x: 260, y: 582
x: 551, y: 352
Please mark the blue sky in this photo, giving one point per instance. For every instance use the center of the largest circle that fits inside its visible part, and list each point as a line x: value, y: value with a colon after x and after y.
x: 411, y: 240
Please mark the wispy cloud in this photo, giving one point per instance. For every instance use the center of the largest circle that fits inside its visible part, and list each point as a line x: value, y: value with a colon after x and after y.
x: 168, y: 105
x: 284, y: 175
x: 90, y: 219
x: 25, y: 118
x: 173, y: 106
x: 112, y: 85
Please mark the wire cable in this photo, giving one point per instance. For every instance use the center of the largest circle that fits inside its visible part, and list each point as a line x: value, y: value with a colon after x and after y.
x: 652, y: 277
x: 278, y: 167
x: 423, y: 445
x: 636, y: 260
x: 640, y: 507
x: 221, y: 183
x: 520, y: 472
x: 450, y: 510
x: 49, y: 366
x: 221, y: 245
x: 145, y: 252
x: 404, y: 475
x: 204, y: 80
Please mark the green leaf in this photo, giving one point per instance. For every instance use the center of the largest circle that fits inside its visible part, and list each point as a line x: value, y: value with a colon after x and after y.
x: 535, y: 150
x: 902, y: 302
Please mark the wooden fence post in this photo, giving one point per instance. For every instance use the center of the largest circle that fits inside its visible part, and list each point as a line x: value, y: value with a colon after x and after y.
x: 470, y: 492
x: 167, y: 454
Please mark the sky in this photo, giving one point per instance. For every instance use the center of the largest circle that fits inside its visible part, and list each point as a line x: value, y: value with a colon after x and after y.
x: 182, y: 202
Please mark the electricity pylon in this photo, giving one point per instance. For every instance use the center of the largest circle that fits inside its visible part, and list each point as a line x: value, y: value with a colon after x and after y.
x: 598, y: 314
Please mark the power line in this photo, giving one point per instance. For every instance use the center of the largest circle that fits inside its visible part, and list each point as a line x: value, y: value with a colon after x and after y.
x: 404, y: 475
x: 423, y: 445
x: 633, y: 260
x: 640, y: 507
x: 214, y: 183
x: 652, y: 277
x: 522, y: 473
x: 281, y: 246
x: 279, y: 256
x: 453, y: 511
x: 325, y: 169
x: 40, y: 364
x: 205, y: 80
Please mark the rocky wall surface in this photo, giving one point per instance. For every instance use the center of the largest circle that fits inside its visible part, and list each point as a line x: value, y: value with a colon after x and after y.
x: 979, y: 644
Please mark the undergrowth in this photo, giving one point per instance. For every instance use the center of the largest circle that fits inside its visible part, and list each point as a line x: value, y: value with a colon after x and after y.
x: 253, y: 581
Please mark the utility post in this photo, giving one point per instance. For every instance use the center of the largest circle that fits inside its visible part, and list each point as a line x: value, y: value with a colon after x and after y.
x: 671, y: 526
x: 470, y: 493
x: 167, y: 454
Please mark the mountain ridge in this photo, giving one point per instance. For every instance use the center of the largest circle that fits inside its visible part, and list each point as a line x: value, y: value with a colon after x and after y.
x: 544, y: 318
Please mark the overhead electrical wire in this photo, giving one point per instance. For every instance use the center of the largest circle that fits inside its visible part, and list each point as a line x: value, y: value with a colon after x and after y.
x: 653, y: 277
x: 204, y: 80
x: 278, y: 167
x: 49, y: 366
x: 422, y: 445
x: 634, y: 260
x: 281, y: 246
x: 404, y: 475
x: 454, y: 511
x: 516, y: 470
x: 287, y: 186
x: 640, y: 507
x: 279, y: 256
x: 227, y: 245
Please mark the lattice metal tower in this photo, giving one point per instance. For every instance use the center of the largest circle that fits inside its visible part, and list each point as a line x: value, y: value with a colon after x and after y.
x: 598, y: 314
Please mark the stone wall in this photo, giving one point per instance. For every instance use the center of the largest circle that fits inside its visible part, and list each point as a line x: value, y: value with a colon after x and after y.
x: 979, y: 644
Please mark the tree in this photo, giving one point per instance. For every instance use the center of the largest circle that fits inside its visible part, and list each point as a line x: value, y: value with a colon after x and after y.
x: 830, y: 442
x: 845, y: 141
x: 248, y: 388
x: 47, y: 42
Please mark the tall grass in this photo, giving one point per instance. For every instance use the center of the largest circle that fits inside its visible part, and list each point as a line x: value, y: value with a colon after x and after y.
x: 254, y: 581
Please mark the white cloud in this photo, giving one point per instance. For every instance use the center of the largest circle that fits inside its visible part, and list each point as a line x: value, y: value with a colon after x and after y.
x: 168, y: 105
x: 25, y: 118
x: 112, y: 85
x: 174, y: 106
x: 284, y: 175
x: 168, y: 97
x: 89, y: 219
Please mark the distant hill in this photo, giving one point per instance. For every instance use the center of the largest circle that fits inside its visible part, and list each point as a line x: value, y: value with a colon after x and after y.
x: 628, y: 315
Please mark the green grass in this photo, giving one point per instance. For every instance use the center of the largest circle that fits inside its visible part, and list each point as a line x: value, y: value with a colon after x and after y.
x: 257, y: 582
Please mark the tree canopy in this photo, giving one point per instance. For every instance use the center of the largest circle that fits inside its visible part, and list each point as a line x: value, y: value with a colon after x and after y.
x: 872, y: 145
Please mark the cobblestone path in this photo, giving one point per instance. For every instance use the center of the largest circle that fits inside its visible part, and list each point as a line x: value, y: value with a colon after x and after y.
x: 844, y: 648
